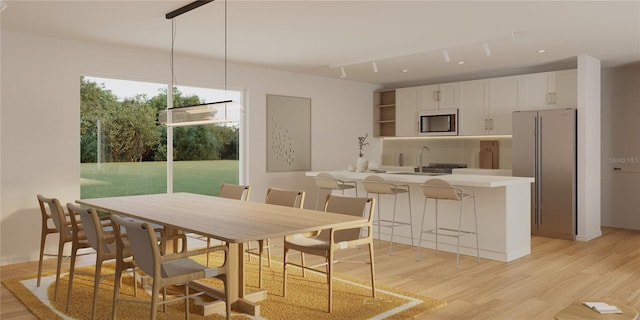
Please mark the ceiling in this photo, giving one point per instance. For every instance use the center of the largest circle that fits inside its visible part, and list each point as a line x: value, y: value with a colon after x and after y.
x: 320, y: 37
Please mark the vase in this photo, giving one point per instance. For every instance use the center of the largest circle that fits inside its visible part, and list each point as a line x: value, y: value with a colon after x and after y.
x: 362, y: 164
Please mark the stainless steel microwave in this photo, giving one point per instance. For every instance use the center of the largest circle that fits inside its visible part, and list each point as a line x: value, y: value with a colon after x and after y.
x: 440, y: 122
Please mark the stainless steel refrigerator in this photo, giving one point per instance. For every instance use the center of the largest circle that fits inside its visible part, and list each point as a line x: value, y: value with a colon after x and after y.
x: 544, y: 147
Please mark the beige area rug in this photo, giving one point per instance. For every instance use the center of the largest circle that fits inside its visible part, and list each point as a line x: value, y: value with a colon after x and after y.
x: 306, y: 297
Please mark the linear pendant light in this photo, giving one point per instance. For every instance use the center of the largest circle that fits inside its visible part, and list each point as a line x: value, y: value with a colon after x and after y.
x: 204, y: 113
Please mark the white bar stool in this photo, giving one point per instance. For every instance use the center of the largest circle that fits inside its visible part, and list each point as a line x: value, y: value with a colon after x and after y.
x: 439, y: 189
x: 325, y: 181
x: 377, y: 185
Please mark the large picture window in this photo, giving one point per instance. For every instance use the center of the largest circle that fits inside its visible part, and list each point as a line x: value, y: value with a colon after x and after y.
x: 124, y: 148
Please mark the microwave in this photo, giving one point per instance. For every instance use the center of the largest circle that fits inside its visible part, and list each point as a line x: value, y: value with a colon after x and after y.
x: 440, y: 122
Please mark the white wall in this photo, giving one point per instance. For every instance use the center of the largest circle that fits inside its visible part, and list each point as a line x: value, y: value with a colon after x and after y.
x: 621, y: 147
x: 40, y: 124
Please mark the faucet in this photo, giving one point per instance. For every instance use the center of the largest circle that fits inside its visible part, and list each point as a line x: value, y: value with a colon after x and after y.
x: 421, y: 151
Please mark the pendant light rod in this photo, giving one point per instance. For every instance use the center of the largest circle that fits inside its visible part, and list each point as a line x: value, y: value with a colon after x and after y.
x: 186, y: 8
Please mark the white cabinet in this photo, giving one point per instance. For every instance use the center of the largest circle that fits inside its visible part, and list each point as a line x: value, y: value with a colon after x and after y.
x: 486, y: 106
x: 407, y: 112
x: 503, y: 101
x: 438, y: 96
x: 546, y: 90
x: 473, y: 107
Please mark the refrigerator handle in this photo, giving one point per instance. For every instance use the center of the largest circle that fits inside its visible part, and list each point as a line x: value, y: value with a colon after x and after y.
x: 538, y: 166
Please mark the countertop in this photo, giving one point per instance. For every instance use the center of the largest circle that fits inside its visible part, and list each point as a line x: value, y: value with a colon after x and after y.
x: 462, y: 180
x: 484, y: 172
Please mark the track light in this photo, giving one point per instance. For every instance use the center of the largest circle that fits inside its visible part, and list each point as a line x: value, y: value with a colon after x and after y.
x: 375, y: 66
x: 343, y: 73
x: 445, y: 53
x: 485, y: 45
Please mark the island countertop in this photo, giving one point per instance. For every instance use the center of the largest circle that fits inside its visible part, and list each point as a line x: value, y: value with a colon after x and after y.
x: 462, y: 180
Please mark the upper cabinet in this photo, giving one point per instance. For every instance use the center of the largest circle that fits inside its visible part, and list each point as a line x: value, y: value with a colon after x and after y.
x: 438, y: 96
x: 407, y: 112
x: 384, y: 113
x: 486, y: 106
x: 557, y: 89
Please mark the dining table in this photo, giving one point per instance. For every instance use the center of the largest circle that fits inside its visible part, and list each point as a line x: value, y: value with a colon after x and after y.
x: 232, y: 221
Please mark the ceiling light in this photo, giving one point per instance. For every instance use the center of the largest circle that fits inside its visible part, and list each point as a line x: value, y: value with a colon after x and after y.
x: 375, y: 66
x: 445, y: 53
x: 206, y: 113
x: 405, y: 70
x: 485, y: 45
x: 343, y: 74
x: 541, y: 51
x: 460, y: 62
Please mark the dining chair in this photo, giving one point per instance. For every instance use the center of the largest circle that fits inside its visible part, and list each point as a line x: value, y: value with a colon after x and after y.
x: 338, y: 238
x: 439, y: 189
x: 325, y: 181
x: 231, y: 191
x: 48, y: 227
x: 379, y: 186
x: 101, y: 238
x: 168, y: 269
x: 51, y: 207
x: 279, y: 197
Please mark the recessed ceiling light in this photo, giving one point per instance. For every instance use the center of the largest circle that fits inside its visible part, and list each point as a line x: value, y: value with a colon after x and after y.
x: 405, y: 70
x: 460, y: 62
x: 541, y: 51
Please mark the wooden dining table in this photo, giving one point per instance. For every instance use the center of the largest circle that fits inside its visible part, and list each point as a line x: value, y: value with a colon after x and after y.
x: 232, y: 221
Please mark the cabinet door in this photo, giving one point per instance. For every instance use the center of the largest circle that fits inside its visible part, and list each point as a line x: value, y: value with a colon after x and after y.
x: 407, y: 112
x: 428, y: 97
x: 535, y: 92
x: 473, y: 105
x: 566, y: 89
x: 449, y: 95
x: 503, y: 100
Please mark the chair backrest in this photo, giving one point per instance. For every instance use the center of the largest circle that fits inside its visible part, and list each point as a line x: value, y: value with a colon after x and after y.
x: 325, y: 180
x: 51, y: 207
x: 376, y: 184
x: 286, y: 198
x: 440, y: 189
x: 352, y: 206
x: 91, y: 226
x: 234, y: 191
x: 143, y: 244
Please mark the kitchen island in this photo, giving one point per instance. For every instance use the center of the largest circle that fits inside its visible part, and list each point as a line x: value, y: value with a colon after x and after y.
x: 503, y: 207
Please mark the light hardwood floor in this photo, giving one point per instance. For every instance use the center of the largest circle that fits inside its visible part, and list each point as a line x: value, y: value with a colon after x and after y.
x: 557, y: 273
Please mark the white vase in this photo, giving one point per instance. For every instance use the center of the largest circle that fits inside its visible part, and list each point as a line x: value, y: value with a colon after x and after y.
x: 362, y: 164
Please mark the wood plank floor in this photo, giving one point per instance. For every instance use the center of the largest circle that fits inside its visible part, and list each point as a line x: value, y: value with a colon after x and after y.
x: 557, y: 273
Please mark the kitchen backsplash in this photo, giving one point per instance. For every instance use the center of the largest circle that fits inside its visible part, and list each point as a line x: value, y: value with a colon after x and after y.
x: 442, y: 150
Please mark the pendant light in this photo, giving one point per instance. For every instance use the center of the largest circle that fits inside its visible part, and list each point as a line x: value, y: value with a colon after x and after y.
x: 205, y: 113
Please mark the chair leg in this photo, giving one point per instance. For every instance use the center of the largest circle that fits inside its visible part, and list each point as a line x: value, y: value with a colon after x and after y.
x: 208, y: 246
x: 227, y: 296
x: 330, y: 278
x: 268, y: 242
x: 373, y: 272
x: 303, y: 264
x: 475, y: 218
x: 436, y: 229
x: 186, y: 301
x: 260, y: 249
x: 154, y: 300
x: 424, y: 211
x: 43, y: 238
x: 72, y: 265
x: 116, y: 289
x: 410, y: 216
x: 459, y: 235
x: 58, y: 268
x: 393, y: 220
x: 96, y: 287
x: 284, y: 272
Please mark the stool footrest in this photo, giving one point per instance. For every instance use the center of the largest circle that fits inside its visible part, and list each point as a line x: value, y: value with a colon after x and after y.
x: 391, y: 224
x: 440, y: 233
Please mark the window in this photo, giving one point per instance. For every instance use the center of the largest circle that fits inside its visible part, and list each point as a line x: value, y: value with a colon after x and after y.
x: 124, y: 149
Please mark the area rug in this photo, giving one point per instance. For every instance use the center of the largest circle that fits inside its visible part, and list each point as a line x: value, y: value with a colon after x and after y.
x: 306, y: 297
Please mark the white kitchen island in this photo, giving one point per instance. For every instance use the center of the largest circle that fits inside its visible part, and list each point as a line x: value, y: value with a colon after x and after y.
x: 503, y: 207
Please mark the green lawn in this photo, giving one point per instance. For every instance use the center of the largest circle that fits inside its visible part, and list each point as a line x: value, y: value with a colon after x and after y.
x: 132, y: 178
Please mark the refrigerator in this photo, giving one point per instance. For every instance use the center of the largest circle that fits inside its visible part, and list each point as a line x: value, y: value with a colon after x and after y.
x: 544, y: 147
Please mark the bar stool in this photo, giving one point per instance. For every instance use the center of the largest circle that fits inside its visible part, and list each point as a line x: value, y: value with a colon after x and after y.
x: 325, y: 181
x: 377, y: 185
x: 439, y: 189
